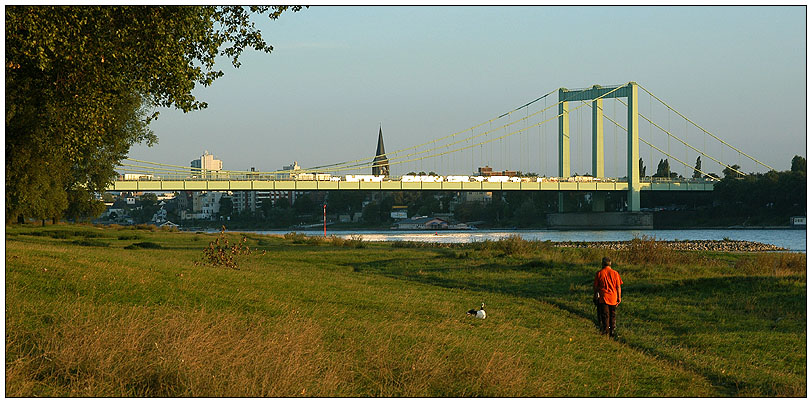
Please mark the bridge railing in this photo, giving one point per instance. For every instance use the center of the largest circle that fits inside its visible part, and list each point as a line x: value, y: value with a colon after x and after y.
x: 409, y: 178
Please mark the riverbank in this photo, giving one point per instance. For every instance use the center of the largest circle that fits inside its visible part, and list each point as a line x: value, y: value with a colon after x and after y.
x: 124, y: 312
x: 704, y: 245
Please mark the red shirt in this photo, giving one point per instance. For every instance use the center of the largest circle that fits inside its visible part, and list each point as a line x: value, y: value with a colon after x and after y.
x: 607, y: 285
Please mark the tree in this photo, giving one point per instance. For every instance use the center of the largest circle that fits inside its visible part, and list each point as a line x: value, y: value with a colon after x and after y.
x: 642, y: 168
x: 798, y: 164
x: 226, y: 207
x: 732, y: 171
x: 663, y: 169
x: 81, y: 80
x: 698, y: 168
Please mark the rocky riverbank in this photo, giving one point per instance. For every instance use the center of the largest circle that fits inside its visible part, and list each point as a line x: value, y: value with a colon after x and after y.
x: 700, y: 245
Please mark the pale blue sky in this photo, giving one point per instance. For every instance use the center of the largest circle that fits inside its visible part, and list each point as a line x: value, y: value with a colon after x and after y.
x: 426, y: 72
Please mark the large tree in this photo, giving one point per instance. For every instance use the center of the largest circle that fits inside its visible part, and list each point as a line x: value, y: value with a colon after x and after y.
x: 82, y: 82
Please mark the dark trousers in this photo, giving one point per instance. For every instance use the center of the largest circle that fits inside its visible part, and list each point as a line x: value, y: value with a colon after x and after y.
x: 606, y: 318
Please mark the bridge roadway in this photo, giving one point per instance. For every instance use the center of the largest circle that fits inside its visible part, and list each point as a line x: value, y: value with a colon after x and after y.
x: 192, y: 184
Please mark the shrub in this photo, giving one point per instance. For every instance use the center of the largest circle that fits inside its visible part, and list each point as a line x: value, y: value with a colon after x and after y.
x: 220, y: 253
x: 336, y: 241
x: 315, y: 240
x: 144, y: 245
x: 356, y: 241
x: 65, y: 234
x: 128, y: 237
x: 90, y: 242
x: 296, y: 237
x: 513, y: 245
x: 406, y: 244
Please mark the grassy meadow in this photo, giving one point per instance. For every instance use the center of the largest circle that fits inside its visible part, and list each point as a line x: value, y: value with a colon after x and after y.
x: 117, y: 311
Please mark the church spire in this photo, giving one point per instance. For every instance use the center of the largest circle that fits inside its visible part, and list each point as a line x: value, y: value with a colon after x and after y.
x: 380, y: 165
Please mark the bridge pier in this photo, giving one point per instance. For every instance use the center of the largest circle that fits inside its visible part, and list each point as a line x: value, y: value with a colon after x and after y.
x: 633, y: 153
x: 598, y: 202
x: 563, y: 142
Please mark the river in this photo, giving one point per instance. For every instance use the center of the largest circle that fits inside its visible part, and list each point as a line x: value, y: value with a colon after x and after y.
x: 791, y: 239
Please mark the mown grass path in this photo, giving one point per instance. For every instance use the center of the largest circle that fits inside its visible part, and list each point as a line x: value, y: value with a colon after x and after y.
x: 86, y: 316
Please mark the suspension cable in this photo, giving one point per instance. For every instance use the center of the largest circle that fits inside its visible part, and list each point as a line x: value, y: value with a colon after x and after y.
x: 706, y: 132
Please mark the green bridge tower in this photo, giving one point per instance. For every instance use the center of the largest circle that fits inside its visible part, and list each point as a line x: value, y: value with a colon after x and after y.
x: 596, y: 94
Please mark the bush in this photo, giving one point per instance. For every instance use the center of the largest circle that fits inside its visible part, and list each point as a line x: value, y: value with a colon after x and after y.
x: 315, y: 240
x: 90, y: 242
x: 336, y: 241
x: 220, y: 253
x: 407, y: 244
x: 296, y: 237
x: 356, y: 241
x: 144, y: 245
x: 512, y: 245
x: 128, y: 237
x: 65, y: 234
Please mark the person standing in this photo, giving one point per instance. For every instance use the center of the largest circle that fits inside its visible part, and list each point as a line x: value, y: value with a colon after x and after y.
x: 606, y: 291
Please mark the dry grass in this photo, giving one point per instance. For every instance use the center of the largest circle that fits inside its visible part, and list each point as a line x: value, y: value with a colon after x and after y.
x: 646, y: 250
x: 773, y: 264
x: 316, y: 317
x: 158, y: 352
x: 436, y: 366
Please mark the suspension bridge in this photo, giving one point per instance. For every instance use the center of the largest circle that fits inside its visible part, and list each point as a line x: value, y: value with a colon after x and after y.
x: 525, y: 139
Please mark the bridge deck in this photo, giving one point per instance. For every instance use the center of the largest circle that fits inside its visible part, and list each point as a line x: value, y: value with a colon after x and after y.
x: 394, y: 185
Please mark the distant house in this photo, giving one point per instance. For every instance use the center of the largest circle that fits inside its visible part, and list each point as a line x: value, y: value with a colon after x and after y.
x: 169, y: 224
x: 430, y: 223
x: 401, y: 212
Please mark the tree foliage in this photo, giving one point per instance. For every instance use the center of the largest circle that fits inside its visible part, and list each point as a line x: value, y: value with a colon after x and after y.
x: 698, y: 168
x: 663, y: 169
x: 81, y: 83
x: 732, y: 171
x: 798, y: 164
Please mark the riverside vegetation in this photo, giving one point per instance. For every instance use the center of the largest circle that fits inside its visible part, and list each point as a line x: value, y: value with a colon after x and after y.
x: 90, y: 314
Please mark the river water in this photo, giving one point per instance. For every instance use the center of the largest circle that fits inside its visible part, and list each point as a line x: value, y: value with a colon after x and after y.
x: 792, y: 239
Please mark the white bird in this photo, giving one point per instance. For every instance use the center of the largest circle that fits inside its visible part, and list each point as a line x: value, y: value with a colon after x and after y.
x: 479, y: 313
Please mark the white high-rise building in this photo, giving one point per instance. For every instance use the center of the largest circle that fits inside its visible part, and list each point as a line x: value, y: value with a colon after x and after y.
x: 206, y: 166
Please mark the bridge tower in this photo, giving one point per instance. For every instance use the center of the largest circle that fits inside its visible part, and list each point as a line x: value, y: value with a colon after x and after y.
x: 596, y: 94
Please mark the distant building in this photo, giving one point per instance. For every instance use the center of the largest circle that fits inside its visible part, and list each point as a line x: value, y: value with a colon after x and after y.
x: 252, y: 200
x: 293, y: 167
x: 430, y: 223
x: 399, y: 212
x: 488, y: 171
x: 135, y: 177
x: 380, y: 165
x: 476, y: 197
x: 206, y: 166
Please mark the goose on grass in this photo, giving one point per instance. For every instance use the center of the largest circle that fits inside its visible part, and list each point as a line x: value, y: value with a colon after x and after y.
x: 479, y: 313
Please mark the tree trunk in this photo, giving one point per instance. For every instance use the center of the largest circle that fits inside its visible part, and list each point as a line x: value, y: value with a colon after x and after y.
x: 54, y: 221
x: 43, y: 222
x: 20, y: 219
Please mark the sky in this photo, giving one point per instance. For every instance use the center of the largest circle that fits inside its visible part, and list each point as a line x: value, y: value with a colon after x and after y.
x: 338, y: 74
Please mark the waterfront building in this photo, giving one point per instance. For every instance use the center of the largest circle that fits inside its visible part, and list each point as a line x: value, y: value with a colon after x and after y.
x: 430, y: 223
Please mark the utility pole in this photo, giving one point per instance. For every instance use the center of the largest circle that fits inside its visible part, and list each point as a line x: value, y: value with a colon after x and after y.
x: 325, y: 220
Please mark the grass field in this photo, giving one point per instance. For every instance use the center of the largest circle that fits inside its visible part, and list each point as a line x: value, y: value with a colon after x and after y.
x: 125, y: 312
